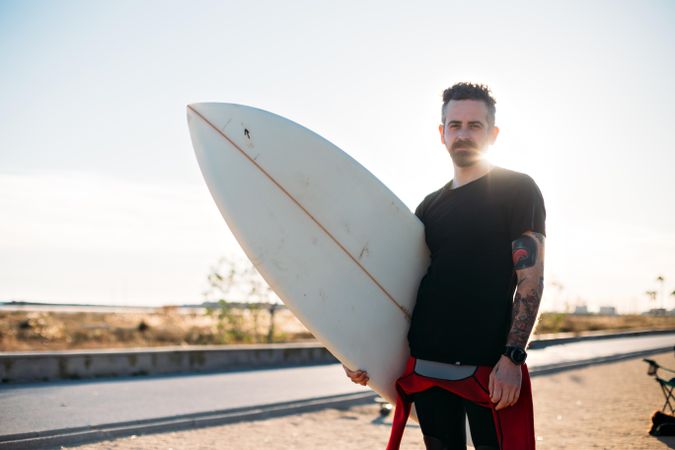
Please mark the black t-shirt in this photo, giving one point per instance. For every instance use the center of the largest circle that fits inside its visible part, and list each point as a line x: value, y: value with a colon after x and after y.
x: 463, y: 309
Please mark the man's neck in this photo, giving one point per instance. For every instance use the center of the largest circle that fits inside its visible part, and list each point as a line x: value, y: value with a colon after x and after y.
x: 465, y: 175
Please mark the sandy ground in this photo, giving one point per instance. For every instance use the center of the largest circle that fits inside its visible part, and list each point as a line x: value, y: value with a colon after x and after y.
x: 603, y: 407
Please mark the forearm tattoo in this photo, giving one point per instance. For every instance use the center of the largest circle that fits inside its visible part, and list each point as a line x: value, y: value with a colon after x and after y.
x: 524, y: 315
x: 524, y: 252
x: 528, y: 261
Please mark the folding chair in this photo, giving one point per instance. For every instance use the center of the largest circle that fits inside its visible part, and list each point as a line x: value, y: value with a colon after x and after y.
x: 667, y: 386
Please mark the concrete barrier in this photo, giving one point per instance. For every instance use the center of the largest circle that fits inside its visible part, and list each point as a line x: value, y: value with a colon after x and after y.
x: 77, y: 364
x: 546, y: 340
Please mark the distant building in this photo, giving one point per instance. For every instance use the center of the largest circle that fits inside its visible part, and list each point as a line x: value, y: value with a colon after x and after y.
x: 582, y: 309
x: 607, y: 311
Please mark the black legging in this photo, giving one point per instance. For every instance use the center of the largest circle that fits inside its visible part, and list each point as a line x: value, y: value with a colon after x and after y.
x: 441, y: 415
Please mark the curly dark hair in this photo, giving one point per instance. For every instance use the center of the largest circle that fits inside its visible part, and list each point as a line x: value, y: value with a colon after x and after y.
x: 470, y: 91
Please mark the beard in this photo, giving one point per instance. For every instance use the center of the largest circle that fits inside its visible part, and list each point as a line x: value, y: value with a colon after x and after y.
x: 465, y: 153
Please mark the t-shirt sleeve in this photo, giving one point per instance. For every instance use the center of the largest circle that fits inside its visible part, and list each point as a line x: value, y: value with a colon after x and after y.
x: 528, y: 212
x: 424, y: 204
x: 419, y: 211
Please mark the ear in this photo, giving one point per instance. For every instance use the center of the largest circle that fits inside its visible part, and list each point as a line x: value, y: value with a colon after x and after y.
x: 440, y: 130
x: 494, y: 132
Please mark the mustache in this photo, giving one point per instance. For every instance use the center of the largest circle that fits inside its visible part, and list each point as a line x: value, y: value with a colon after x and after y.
x: 466, y: 143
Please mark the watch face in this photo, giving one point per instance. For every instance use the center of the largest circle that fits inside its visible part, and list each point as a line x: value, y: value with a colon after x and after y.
x: 518, y: 355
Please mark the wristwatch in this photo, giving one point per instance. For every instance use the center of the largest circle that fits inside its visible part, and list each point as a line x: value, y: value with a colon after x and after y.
x: 517, y: 355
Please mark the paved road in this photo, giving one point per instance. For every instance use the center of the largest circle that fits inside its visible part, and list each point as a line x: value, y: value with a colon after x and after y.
x: 65, y: 404
x: 39, y: 407
x: 585, y: 350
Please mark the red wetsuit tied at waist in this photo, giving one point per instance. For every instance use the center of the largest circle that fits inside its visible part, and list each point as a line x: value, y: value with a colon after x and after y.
x: 514, y: 424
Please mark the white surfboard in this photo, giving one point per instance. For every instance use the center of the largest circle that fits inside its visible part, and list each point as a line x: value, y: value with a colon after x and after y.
x: 338, y: 247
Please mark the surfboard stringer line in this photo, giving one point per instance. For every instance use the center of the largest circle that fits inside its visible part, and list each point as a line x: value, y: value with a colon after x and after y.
x: 404, y: 310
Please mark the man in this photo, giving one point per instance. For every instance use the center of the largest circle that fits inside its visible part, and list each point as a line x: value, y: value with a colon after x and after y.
x: 485, y: 232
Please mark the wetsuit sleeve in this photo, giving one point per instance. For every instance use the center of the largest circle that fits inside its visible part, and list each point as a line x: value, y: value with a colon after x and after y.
x: 528, y: 212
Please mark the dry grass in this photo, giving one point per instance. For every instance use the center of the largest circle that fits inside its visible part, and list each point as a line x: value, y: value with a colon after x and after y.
x: 39, y: 330
x: 33, y: 330
x: 571, y: 323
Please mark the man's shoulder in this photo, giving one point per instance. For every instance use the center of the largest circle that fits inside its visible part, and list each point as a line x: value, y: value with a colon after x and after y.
x: 428, y: 199
x: 434, y: 194
x: 513, y: 176
x: 512, y: 179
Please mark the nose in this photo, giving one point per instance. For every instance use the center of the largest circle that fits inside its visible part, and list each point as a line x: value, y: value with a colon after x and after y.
x: 463, y: 133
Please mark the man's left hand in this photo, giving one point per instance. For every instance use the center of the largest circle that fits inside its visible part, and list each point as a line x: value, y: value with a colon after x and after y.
x: 504, y: 384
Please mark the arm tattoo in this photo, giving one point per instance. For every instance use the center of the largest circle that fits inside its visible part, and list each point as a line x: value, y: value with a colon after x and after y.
x: 528, y: 262
x: 539, y: 236
x: 524, y: 315
x: 524, y: 252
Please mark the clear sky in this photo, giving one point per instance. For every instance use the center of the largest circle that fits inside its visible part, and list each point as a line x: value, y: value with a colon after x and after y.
x: 102, y: 201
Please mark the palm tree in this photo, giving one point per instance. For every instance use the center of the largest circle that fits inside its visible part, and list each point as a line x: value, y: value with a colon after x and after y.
x: 661, y: 280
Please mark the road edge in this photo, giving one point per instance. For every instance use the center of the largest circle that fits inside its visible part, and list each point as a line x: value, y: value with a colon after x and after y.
x: 83, y: 435
x: 88, y: 434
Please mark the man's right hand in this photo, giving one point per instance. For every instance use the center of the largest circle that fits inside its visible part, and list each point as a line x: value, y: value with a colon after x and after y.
x: 357, y: 376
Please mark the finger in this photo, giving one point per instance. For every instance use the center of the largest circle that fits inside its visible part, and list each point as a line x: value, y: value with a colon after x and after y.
x: 503, y: 401
x: 350, y: 373
x: 491, y: 384
x: 353, y: 373
x: 513, y: 398
x: 496, y: 393
x: 508, y: 397
x: 361, y: 377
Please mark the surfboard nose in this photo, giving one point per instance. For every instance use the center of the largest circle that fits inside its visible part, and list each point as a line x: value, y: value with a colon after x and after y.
x: 198, y: 105
x: 194, y: 108
x: 216, y: 106
x: 220, y: 121
x: 215, y: 113
x: 190, y: 110
x: 231, y: 121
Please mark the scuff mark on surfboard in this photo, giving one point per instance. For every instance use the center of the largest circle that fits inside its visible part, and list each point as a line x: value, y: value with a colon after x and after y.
x: 396, y: 207
x: 364, y: 252
x: 248, y: 134
x: 226, y: 124
x: 278, y: 265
